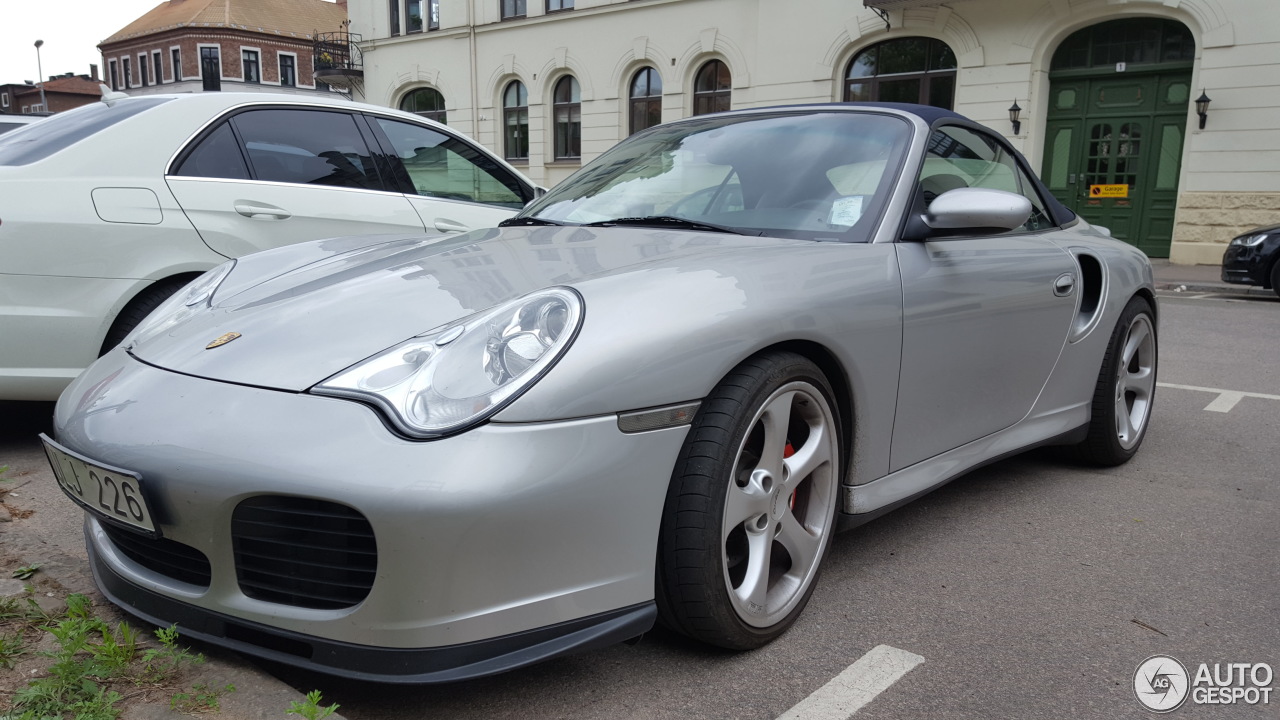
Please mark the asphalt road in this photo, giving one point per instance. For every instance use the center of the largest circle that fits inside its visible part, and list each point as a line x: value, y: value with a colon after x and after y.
x: 1031, y: 588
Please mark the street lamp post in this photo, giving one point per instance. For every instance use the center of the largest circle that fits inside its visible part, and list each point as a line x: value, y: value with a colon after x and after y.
x: 44, y: 104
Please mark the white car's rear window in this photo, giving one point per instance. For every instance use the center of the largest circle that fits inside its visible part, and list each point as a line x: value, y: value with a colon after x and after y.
x: 62, y: 130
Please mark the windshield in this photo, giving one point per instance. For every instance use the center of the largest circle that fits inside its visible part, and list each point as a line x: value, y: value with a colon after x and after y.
x: 816, y: 175
x: 42, y: 139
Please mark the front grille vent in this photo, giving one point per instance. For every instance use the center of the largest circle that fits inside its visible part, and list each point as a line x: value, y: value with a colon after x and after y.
x: 303, y: 552
x: 171, y: 559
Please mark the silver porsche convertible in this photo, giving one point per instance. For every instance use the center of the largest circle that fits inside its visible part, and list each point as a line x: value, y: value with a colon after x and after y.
x: 652, y: 396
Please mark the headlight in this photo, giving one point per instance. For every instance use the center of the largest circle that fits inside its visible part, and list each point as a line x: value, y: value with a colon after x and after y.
x: 463, y: 373
x: 181, y: 305
x: 1249, y: 240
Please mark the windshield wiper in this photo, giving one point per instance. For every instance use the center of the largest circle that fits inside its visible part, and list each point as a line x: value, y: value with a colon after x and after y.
x: 517, y: 221
x: 672, y: 220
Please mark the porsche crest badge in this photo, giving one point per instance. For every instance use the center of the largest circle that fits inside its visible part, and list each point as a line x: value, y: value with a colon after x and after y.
x: 223, y: 340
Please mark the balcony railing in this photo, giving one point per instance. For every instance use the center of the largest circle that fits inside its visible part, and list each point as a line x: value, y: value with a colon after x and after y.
x: 338, y: 60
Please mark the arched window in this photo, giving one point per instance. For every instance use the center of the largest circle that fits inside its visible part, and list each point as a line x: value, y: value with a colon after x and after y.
x: 566, y: 107
x: 515, y: 122
x: 711, y: 88
x: 427, y: 102
x: 910, y: 70
x: 1133, y: 41
x: 646, y: 99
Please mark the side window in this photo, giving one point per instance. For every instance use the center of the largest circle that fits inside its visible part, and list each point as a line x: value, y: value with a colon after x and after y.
x: 216, y: 156
x: 959, y: 157
x: 308, y: 147
x: 444, y: 167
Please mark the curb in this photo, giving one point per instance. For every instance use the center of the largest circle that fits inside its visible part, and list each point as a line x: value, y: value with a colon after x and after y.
x: 1221, y: 288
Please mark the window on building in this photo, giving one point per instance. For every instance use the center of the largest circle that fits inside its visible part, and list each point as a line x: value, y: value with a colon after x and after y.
x: 513, y: 9
x: 288, y: 70
x: 115, y: 77
x: 1133, y: 41
x: 910, y: 70
x: 515, y: 122
x: 4, y: 100
x: 210, y: 69
x: 128, y: 75
x: 427, y: 102
x: 177, y: 64
x: 249, y: 60
x: 566, y: 107
x: 558, y: 5
x: 142, y: 70
x: 394, y: 7
x: 646, y: 99
x: 711, y: 88
x: 413, y: 16
x: 157, y: 63
x: 433, y: 14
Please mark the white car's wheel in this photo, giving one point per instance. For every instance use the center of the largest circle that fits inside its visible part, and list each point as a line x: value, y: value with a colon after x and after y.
x: 1126, y: 387
x: 752, y: 504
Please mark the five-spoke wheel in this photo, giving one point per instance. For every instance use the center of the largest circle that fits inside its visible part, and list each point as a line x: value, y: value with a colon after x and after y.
x: 752, y: 504
x: 1126, y: 386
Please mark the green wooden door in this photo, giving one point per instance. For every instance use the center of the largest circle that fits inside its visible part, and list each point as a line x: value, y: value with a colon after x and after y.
x: 1119, y: 129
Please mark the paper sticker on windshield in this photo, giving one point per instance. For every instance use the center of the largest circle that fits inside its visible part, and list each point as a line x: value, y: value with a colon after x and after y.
x: 846, y: 211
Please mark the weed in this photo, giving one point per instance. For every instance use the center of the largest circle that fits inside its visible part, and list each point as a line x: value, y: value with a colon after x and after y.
x: 11, y: 647
x: 311, y: 709
x: 202, y: 698
x: 162, y: 663
x: 26, y: 571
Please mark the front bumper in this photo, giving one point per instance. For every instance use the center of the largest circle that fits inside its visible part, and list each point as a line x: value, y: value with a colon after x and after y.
x: 1247, y: 265
x: 491, y: 544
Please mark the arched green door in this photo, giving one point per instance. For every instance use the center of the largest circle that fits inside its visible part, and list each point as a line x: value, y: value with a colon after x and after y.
x: 1119, y: 97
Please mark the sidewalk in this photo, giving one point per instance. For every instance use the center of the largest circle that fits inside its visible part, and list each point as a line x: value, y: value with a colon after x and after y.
x: 1198, y: 279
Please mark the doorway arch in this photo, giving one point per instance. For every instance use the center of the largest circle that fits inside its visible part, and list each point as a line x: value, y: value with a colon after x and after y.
x: 1119, y: 93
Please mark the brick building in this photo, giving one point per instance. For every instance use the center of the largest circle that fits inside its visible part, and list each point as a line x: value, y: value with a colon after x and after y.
x: 63, y: 92
x: 240, y: 45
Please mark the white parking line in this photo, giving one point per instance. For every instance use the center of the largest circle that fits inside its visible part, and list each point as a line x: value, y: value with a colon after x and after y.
x: 1226, y: 400
x: 858, y: 685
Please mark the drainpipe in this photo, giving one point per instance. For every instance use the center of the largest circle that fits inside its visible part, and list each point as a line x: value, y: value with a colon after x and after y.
x: 475, y: 96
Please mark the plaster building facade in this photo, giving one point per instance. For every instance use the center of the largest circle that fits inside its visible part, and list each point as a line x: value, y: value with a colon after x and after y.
x: 213, y: 45
x: 1107, y: 88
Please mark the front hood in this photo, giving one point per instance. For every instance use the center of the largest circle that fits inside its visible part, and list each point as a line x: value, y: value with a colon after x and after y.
x: 301, y: 319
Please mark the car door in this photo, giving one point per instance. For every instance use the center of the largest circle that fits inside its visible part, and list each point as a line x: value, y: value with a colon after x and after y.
x: 984, y: 317
x: 454, y: 186
x: 273, y: 176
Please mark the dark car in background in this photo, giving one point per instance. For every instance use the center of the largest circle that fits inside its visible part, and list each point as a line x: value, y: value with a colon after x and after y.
x: 1254, y: 259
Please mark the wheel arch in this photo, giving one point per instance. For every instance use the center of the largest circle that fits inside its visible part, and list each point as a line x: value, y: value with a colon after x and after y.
x: 841, y: 385
x: 137, y: 295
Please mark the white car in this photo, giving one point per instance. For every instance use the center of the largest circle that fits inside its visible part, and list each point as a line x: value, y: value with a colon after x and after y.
x: 108, y: 209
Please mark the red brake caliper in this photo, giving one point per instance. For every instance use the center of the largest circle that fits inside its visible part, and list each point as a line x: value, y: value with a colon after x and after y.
x: 787, y: 452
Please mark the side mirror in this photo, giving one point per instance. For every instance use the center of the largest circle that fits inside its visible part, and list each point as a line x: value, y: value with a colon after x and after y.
x: 975, y: 211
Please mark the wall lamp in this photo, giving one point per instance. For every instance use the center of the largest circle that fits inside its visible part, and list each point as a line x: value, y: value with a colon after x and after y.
x: 1015, y: 117
x: 1202, y: 108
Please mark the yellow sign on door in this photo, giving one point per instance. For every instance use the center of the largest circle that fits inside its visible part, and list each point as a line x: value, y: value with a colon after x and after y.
x: 1108, y: 191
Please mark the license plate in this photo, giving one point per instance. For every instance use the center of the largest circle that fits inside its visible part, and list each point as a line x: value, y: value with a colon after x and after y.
x: 109, y: 493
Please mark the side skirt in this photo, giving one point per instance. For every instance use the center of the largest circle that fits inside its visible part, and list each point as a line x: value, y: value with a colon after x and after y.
x: 863, y: 503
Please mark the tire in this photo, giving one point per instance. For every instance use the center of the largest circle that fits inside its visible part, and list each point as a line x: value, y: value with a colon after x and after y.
x: 746, y: 522
x: 1125, y: 391
x: 1275, y: 277
x: 139, y: 308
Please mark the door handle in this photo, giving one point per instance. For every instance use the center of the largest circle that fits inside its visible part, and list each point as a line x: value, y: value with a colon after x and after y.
x: 446, y: 225
x: 1063, y: 286
x: 259, y: 211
